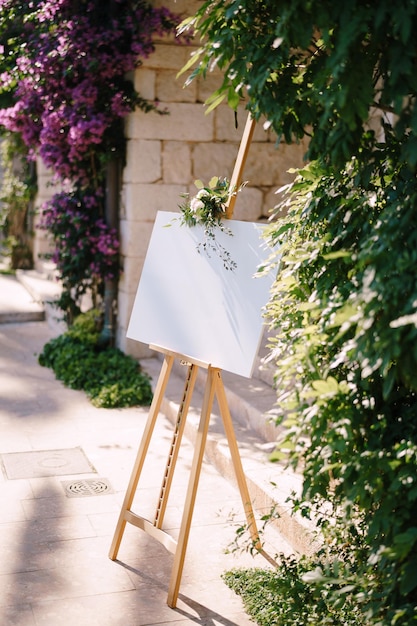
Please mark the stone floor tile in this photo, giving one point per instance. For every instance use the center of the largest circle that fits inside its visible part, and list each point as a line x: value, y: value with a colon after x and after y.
x: 17, y: 615
x: 55, y: 569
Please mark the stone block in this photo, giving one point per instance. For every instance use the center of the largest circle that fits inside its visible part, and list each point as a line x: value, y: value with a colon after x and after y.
x: 132, y: 270
x: 206, y: 86
x: 143, y: 161
x: 184, y: 122
x: 248, y: 207
x: 268, y: 165
x: 176, y: 162
x: 42, y: 245
x: 144, y: 81
x: 213, y: 160
x: 143, y: 201
x: 225, y: 129
x: 272, y: 199
x: 293, y: 156
x: 124, y: 307
x: 134, y: 237
x: 136, y: 349
x: 261, y: 134
x: 184, y: 8
x: 41, y: 170
x: 46, y: 186
x: 168, y: 56
x: 225, y: 124
x: 169, y: 88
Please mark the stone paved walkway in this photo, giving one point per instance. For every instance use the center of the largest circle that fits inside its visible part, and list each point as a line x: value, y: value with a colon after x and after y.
x: 55, y: 569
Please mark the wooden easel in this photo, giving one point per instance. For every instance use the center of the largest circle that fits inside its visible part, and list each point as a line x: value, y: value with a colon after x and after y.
x: 214, y: 388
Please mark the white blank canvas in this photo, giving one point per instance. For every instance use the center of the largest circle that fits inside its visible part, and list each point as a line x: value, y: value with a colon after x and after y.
x: 187, y: 302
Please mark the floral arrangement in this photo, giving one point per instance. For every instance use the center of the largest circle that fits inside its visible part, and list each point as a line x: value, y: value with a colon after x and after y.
x: 208, y: 208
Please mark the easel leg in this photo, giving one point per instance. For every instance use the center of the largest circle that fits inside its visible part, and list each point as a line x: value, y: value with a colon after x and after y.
x: 175, y: 445
x: 199, y: 447
x: 140, y: 458
x: 236, y: 460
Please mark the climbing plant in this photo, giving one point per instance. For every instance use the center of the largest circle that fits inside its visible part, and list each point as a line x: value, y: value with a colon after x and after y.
x: 65, y: 90
x: 344, y: 305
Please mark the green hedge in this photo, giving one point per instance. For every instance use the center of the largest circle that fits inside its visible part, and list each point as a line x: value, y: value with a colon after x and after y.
x: 108, y: 376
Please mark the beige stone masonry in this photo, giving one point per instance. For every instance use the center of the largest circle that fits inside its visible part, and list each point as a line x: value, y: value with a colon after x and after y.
x: 176, y: 162
x: 213, y: 160
x: 145, y: 83
x: 184, y: 122
x: 134, y: 238
x: 169, y: 88
x: 167, y: 153
x: 143, y: 161
x: 206, y: 87
x: 171, y: 56
x: 142, y: 202
x: 134, y: 348
x: 130, y: 275
x: 266, y: 166
x: 225, y: 125
x: 183, y: 8
x: 42, y: 244
x: 249, y: 205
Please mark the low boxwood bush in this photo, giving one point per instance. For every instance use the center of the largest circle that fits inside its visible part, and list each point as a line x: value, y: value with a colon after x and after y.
x: 109, y: 377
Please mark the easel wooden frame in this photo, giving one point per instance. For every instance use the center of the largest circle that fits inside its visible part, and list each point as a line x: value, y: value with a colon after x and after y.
x: 214, y: 388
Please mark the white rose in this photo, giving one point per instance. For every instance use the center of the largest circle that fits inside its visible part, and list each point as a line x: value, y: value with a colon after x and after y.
x: 196, y: 205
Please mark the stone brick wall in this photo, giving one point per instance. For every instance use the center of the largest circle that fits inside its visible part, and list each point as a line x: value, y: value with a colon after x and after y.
x: 166, y: 153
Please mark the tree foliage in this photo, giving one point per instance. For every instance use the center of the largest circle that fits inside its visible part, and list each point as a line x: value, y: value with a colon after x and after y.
x: 344, y: 306
x: 314, y: 67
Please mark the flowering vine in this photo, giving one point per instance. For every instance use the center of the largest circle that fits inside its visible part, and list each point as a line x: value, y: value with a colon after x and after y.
x: 86, y: 249
x: 64, y: 88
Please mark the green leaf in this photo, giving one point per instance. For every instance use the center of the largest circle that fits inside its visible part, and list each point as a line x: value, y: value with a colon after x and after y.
x: 339, y: 254
x: 409, y: 577
x: 233, y: 98
x: 191, y: 62
x: 213, y: 182
x: 326, y: 387
x: 214, y: 100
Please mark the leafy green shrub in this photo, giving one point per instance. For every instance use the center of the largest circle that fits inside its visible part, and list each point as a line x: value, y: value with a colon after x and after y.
x: 108, y: 376
x: 343, y: 310
x: 346, y: 296
x: 286, y: 596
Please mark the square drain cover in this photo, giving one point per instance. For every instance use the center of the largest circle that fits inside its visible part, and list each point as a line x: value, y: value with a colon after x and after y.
x: 42, y: 463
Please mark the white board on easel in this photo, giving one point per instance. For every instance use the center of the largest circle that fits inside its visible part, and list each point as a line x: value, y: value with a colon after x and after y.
x: 189, y: 303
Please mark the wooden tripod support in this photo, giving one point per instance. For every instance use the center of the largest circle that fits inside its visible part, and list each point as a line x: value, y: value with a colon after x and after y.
x: 214, y: 388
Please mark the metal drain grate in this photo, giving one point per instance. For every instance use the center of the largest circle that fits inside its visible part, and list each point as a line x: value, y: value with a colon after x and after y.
x: 83, y: 487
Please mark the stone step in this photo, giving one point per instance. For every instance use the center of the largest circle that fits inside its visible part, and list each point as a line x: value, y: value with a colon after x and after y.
x: 44, y: 288
x: 17, y: 305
